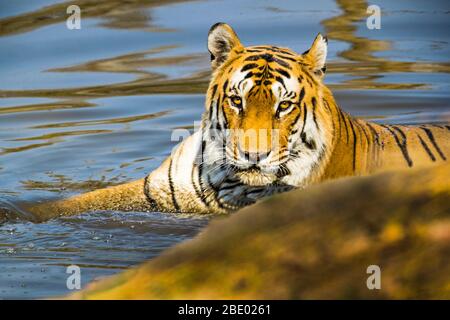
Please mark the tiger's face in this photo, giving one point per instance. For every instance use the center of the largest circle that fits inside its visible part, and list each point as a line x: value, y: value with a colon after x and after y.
x: 264, y: 106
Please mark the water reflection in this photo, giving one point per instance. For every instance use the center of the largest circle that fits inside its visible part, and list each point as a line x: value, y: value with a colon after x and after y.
x: 366, y: 66
x: 130, y: 14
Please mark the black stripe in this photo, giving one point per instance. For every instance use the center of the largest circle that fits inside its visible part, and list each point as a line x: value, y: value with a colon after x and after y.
x: 283, y: 73
x: 302, y: 95
x: 304, y: 118
x: 255, y: 190
x: 211, y: 111
x: 225, y: 120
x: 309, y: 144
x: 240, y: 82
x: 343, y: 117
x: 231, y: 186
x: 203, y: 148
x: 400, y: 131
x: 287, y: 58
x: 314, y: 103
x: 404, y: 137
x: 248, y: 75
x: 263, y: 74
x: 427, y: 149
x: 213, y: 93
x: 254, y: 50
x: 374, y: 133
x: 280, y: 80
x: 327, y: 106
x: 200, y: 173
x: 151, y: 201
x: 254, y: 57
x: 219, y: 97
x: 268, y: 58
x: 295, y: 122
x: 249, y: 66
x: 281, y: 168
x: 172, y: 188
x: 354, y: 144
x: 215, y: 192
x: 361, y: 127
x: 218, y: 124
x: 310, y: 79
x: 292, y: 95
x: 274, y: 49
x: 431, y: 137
x: 401, y: 146
x: 282, y: 63
x: 199, y: 194
x: 262, y: 47
x: 225, y: 84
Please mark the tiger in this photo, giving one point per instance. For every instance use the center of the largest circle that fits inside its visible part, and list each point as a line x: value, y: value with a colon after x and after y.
x: 302, y: 137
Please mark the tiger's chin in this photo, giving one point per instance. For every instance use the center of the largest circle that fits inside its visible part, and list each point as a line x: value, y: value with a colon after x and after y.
x: 255, y: 177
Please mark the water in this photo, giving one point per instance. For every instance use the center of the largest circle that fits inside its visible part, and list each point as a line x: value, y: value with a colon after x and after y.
x: 34, y: 257
x: 89, y: 108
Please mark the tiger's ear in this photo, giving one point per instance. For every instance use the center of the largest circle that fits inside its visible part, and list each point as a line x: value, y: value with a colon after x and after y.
x: 316, y: 56
x: 221, y: 41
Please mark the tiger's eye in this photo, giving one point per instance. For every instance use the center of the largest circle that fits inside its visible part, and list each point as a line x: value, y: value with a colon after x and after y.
x: 284, y: 105
x: 236, y: 100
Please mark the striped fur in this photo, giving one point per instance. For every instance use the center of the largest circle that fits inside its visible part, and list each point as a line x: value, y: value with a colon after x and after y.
x: 306, y: 138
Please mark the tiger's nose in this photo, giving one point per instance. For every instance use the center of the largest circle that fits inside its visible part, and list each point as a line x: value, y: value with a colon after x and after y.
x: 254, y: 157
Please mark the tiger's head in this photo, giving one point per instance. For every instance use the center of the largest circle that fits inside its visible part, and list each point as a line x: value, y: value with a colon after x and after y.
x: 265, y: 117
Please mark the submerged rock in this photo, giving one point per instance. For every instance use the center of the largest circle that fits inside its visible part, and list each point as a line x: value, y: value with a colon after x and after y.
x: 314, y: 243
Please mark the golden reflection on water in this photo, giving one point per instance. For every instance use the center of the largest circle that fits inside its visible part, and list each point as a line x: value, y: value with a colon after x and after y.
x: 106, y: 121
x: 365, y: 65
x: 49, y: 106
x: 116, y: 14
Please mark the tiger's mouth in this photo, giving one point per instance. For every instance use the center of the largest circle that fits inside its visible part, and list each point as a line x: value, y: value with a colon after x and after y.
x: 256, y: 176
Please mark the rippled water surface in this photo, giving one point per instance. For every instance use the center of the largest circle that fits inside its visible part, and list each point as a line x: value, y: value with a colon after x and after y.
x: 83, y: 109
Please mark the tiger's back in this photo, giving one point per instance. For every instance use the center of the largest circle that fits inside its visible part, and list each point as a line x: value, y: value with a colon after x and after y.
x: 362, y: 147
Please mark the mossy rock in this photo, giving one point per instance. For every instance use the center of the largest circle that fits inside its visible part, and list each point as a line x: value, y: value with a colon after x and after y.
x: 308, y: 244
